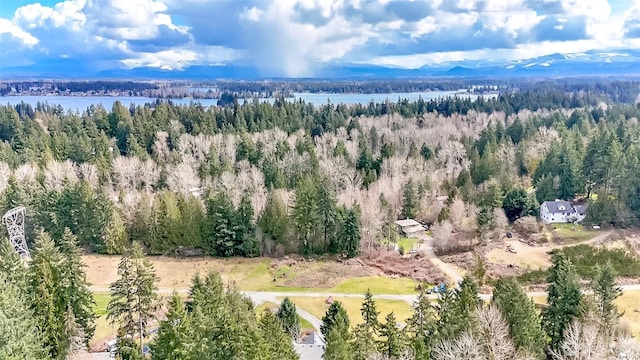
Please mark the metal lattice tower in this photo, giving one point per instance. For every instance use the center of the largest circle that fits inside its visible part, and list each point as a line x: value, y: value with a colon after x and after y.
x: 14, y: 221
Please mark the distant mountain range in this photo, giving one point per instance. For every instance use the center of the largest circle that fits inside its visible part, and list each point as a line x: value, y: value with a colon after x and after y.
x: 590, y: 63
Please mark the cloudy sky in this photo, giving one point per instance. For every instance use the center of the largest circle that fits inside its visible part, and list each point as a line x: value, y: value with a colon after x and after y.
x: 294, y: 37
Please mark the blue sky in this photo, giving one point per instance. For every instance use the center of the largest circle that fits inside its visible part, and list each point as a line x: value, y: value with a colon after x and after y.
x: 295, y: 37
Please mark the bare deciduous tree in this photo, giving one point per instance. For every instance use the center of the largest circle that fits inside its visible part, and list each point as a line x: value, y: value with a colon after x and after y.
x: 161, y: 147
x: 56, y: 174
x: 5, y: 173
x: 457, y: 213
x: 581, y: 342
x: 183, y: 179
x: 494, y: 334
x: 627, y: 348
x: 89, y: 173
x: 26, y: 174
x: 125, y: 170
x: 149, y: 174
x: 442, y: 236
x: 465, y: 347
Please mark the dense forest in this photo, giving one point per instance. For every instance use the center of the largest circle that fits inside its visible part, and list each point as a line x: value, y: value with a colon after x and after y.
x: 254, y: 178
x: 262, y: 179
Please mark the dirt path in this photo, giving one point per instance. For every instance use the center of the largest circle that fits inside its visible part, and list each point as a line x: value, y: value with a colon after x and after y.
x: 426, y: 246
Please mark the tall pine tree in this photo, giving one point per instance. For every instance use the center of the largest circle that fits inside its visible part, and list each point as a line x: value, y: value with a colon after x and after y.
x: 520, y: 312
x: 605, y: 292
x: 564, y: 299
x: 134, y: 296
x: 75, y: 288
x: 289, y: 318
x: 169, y: 344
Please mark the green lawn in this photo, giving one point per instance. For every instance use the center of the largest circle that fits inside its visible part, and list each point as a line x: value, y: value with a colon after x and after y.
x: 571, y: 233
x: 304, y: 324
x: 377, y: 285
x: 103, y: 329
x: 408, y: 243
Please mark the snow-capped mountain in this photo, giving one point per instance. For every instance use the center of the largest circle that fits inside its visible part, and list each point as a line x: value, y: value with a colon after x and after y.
x: 590, y: 63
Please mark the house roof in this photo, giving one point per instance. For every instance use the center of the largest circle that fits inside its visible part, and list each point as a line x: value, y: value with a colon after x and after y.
x: 309, y: 352
x: 580, y: 209
x: 559, y: 207
x: 413, y: 229
x: 407, y: 222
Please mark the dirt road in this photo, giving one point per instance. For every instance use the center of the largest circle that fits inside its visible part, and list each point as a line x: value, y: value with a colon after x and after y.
x: 451, y: 271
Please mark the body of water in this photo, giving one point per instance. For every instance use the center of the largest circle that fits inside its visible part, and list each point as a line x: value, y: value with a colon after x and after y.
x: 80, y: 103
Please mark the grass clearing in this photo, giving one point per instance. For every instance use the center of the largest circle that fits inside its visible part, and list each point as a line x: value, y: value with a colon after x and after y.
x: 103, y: 329
x: 376, y: 284
x: 318, y: 306
x: 571, y: 233
x: 408, y: 244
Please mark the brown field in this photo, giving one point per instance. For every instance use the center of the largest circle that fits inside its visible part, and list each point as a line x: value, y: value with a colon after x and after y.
x: 260, y: 274
x: 174, y: 273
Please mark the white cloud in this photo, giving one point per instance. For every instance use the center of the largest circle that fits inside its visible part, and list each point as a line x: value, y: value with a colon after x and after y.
x: 6, y: 27
x: 292, y: 37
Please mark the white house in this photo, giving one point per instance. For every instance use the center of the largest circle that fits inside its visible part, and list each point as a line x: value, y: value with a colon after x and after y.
x: 560, y: 211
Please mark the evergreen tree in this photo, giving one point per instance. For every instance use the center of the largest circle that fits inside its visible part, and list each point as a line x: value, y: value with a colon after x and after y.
x: 245, y: 229
x: 369, y: 312
x: 274, y: 220
x: 169, y: 344
x: 45, y: 277
x: 289, y: 318
x: 76, y: 339
x: 12, y: 266
x: 336, y: 316
x: 278, y: 342
x: 422, y: 326
x: 166, y: 223
x: 337, y: 346
x: 410, y: 201
x: 349, y: 232
x: 219, y: 234
x: 464, y: 302
x: 364, y: 342
x: 564, y: 299
x: 133, y: 296
x: 192, y: 221
x: 605, y: 293
x: 391, y: 338
x: 116, y: 238
x: 18, y: 340
x: 75, y: 288
x: 328, y: 212
x: 520, y: 312
x: 127, y: 348
x: 517, y: 204
x: 306, y: 215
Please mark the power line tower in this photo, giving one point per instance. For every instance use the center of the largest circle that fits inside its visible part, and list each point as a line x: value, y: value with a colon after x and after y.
x: 14, y: 221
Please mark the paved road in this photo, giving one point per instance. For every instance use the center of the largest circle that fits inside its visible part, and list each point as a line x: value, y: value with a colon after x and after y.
x: 259, y: 297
